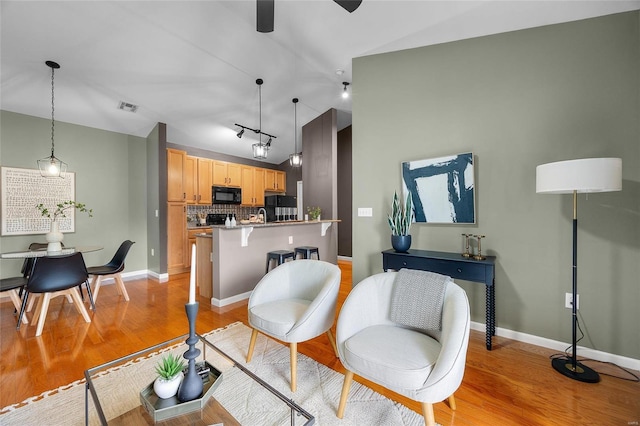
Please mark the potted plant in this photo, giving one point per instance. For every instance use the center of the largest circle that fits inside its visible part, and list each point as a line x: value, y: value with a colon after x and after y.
x: 169, y: 370
x: 400, y: 221
x: 54, y: 236
x: 314, y: 212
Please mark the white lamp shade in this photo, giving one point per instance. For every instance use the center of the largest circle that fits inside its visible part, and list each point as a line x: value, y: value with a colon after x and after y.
x: 583, y: 175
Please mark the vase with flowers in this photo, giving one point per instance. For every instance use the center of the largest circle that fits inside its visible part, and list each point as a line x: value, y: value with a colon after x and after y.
x: 54, y: 236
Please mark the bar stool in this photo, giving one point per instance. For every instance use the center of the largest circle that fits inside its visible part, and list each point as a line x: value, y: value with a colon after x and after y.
x: 280, y: 256
x: 306, y: 252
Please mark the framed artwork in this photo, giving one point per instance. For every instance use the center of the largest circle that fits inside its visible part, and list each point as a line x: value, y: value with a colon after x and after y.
x: 442, y: 189
x: 22, y: 190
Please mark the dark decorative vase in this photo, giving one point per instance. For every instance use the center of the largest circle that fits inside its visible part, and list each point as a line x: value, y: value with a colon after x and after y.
x: 401, y: 243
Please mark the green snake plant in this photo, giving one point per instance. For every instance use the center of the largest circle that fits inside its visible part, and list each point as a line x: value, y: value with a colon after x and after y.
x: 401, y: 215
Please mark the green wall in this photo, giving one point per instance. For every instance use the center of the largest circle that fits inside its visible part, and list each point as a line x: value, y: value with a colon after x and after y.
x: 111, y: 178
x: 516, y: 100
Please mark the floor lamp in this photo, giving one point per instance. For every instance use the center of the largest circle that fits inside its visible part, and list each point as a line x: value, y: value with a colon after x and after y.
x: 572, y: 177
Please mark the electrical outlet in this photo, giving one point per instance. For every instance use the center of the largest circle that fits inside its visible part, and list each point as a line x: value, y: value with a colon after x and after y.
x: 152, y: 253
x: 290, y: 239
x: 568, y: 300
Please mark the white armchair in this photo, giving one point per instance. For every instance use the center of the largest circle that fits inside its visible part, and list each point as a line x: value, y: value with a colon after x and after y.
x: 404, y: 360
x: 295, y: 302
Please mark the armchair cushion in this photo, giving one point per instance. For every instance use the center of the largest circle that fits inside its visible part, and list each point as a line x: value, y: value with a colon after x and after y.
x: 397, y: 358
x: 278, y: 317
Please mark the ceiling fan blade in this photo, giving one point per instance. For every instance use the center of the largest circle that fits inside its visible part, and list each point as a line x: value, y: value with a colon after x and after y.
x: 264, y: 15
x: 349, y: 5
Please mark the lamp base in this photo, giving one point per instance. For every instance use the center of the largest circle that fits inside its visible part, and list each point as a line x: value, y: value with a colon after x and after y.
x: 581, y: 373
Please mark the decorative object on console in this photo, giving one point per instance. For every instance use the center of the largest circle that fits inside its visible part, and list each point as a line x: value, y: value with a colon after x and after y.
x: 571, y: 177
x: 52, y: 166
x: 400, y: 222
x: 54, y: 236
x: 295, y: 159
x: 260, y: 149
x: 442, y: 188
x: 169, y: 370
x: 479, y: 255
x: 466, y: 253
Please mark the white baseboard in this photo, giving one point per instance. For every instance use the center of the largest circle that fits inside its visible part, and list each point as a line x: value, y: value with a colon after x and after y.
x: 622, y: 361
x: 229, y: 300
x: 143, y: 273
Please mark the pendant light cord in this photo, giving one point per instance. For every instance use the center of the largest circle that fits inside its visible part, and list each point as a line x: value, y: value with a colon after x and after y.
x: 52, y: 111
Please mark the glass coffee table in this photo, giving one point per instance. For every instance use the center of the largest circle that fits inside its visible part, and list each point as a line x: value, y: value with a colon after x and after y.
x: 119, y: 388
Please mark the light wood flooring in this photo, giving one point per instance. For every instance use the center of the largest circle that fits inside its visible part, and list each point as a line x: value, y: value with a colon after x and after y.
x: 514, y: 384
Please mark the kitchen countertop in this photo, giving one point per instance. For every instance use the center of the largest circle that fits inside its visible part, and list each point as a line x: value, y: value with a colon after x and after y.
x: 271, y: 224
x: 262, y: 225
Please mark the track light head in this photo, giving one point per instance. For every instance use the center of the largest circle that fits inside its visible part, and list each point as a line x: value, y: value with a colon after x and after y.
x: 240, y: 133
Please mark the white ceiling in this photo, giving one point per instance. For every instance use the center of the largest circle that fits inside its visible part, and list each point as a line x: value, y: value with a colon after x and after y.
x: 193, y: 64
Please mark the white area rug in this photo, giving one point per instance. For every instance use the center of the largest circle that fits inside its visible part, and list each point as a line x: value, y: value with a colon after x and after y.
x: 318, y: 391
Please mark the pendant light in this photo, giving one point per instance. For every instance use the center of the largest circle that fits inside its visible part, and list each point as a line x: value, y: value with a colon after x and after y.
x: 295, y: 159
x: 52, y: 166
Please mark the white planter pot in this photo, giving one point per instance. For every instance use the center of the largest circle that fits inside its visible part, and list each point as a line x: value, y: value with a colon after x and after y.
x: 167, y: 388
x: 54, y: 237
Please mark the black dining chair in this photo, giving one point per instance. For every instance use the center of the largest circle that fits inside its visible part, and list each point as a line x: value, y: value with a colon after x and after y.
x: 53, y: 276
x: 27, y: 265
x: 111, y: 270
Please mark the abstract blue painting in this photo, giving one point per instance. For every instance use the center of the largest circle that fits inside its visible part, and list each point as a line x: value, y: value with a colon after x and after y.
x: 442, y: 189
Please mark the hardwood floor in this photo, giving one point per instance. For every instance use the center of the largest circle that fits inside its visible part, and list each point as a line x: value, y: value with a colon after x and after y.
x: 513, y: 384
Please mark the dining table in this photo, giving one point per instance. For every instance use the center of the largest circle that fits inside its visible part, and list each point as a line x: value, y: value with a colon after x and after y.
x: 23, y: 254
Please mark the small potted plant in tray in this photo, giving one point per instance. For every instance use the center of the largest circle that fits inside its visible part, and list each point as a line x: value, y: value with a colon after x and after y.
x: 169, y: 371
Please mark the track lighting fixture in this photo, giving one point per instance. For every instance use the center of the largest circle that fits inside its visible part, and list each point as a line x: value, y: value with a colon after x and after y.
x: 345, y: 93
x: 295, y: 159
x: 260, y: 149
x: 52, y: 166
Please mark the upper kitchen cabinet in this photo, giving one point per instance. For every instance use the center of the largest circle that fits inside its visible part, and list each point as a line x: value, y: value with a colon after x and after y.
x: 175, y: 175
x: 275, y: 181
x: 226, y: 174
x: 205, y: 178
x: 252, y: 186
x: 190, y: 179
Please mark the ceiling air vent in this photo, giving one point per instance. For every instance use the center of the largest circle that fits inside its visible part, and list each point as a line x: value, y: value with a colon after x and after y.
x: 126, y: 106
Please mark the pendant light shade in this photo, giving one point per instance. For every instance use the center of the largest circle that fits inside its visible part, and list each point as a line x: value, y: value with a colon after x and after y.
x: 295, y: 159
x: 52, y: 166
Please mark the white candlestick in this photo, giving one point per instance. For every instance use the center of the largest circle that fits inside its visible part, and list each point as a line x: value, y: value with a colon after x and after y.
x: 192, y: 278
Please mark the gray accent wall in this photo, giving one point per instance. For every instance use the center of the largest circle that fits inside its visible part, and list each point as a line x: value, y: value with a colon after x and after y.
x: 516, y: 100
x: 319, y: 167
x: 110, y: 178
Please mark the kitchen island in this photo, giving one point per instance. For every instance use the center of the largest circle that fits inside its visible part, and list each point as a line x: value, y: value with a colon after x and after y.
x: 237, y: 255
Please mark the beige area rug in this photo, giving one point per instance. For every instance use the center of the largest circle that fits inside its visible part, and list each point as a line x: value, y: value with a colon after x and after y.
x: 318, y: 391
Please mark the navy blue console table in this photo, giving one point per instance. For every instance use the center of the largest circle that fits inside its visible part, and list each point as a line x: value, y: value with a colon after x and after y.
x: 457, y: 267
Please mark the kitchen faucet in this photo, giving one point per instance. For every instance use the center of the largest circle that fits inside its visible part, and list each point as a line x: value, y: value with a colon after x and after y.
x: 264, y: 215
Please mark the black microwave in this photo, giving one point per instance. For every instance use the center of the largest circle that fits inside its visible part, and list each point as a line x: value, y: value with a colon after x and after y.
x: 224, y: 195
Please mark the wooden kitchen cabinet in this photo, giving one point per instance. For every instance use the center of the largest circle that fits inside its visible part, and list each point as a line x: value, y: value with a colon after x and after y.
x: 275, y: 181
x: 190, y: 179
x: 175, y: 175
x: 177, y: 256
x: 227, y: 174
x: 205, y: 178
x: 191, y: 240
x: 252, y: 186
